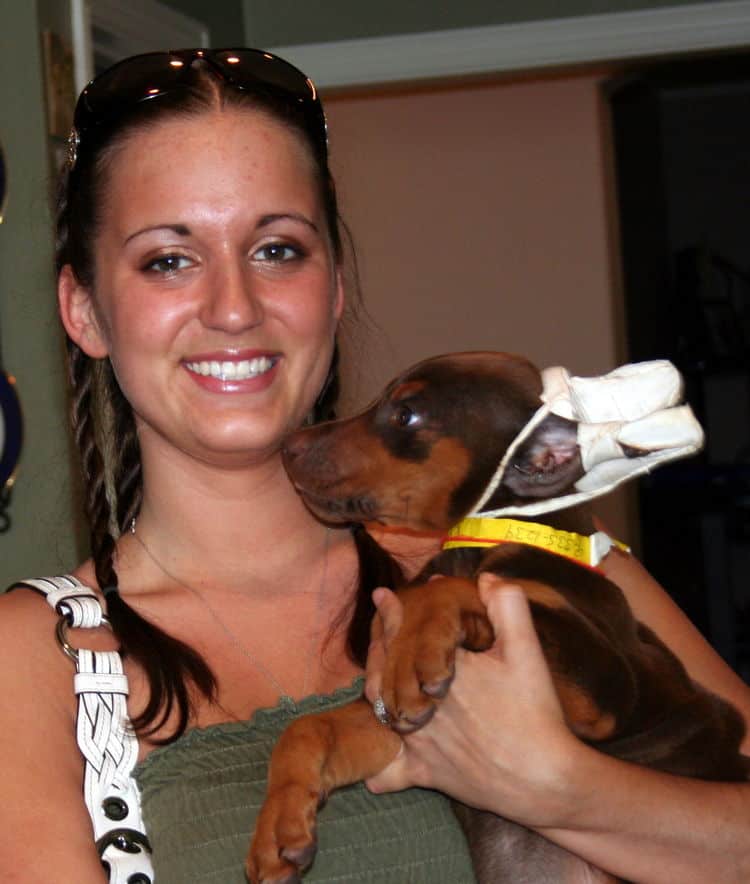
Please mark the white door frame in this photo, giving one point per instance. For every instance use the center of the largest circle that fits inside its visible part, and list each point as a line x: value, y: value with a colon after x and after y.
x: 114, y: 29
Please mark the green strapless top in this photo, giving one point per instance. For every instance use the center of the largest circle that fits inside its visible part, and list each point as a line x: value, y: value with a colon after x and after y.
x: 201, y: 794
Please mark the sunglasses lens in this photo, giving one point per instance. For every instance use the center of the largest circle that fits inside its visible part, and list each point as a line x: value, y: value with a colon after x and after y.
x: 243, y: 65
x: 125, y: 84
x: 147, y: 76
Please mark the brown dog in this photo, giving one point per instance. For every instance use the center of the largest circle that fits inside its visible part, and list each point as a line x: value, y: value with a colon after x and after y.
x: 420, y: 457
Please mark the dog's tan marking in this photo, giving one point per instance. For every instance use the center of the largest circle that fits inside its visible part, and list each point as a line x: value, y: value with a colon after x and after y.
x: 411, y: 496
x: 544, y: 594
x: 406, y: 389
x: 449, y: 459
x: 583, y: 716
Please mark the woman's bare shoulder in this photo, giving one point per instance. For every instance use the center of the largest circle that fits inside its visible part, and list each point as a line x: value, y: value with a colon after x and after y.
x: 21, y: 605
x: 45, y: 823
x: 31, y: 659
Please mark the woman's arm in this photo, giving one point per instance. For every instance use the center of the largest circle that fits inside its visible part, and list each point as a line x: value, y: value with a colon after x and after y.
x: 499, y: 742
x: 46, y: 830
x: 655, y: 828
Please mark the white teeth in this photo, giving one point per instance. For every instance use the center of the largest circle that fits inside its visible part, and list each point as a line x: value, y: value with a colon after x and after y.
x: 232, y: 371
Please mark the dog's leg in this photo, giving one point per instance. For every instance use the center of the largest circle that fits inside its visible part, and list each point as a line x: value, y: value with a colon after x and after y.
x: 438, y: 616
x: 313, y: 756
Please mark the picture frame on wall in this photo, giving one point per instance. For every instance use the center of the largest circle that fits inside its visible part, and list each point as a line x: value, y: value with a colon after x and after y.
x: 59, y: 83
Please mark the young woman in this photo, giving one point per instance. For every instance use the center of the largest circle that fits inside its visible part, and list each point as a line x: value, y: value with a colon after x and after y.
x: 200, y: 286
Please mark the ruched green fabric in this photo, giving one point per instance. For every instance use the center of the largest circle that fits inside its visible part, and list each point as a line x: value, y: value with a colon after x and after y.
x: 201, y: 794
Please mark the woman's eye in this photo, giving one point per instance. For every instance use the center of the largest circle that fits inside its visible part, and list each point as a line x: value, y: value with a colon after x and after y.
x: 277, y: 253
x: 166, y: 264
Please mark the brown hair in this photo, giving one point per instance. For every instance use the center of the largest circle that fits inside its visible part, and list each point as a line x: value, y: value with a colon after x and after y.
x: 100, y: 413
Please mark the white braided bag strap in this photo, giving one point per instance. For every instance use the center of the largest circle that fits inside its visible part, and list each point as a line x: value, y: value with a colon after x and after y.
x: 105, y: 736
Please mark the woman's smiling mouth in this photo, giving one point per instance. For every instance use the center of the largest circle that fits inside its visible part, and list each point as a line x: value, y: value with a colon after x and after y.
x: 232, y: 370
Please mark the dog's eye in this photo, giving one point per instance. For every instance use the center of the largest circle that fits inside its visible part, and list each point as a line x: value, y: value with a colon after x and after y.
x: 403, y: 416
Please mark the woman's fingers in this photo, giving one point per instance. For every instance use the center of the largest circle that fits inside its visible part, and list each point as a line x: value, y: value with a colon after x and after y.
x: 384, y: 627
x: 390, y: 610
x: 510, y: 615
x: 508, y: 610
x: 375, y: 660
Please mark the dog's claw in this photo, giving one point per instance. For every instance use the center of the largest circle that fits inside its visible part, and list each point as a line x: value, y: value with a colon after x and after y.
x: 438, y: 689
x: 407, y: 725
x: 285, y: 839
x: 301, y: 857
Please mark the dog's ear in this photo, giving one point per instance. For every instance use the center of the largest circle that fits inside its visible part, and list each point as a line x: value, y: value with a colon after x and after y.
x: 548, y: 462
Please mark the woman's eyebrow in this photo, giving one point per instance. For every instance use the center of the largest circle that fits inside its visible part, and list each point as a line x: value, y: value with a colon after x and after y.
x: 289, y: 216
x: 179, y: 229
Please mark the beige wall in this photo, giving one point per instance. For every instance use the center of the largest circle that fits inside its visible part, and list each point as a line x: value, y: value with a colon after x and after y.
x: 480, y: 217
x: 480, y: 220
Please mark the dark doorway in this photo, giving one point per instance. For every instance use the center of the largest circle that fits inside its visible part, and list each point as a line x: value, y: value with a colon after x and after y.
x: 682, y: 153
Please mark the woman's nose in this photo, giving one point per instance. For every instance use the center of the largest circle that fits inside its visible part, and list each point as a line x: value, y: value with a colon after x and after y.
x: 232, y: 302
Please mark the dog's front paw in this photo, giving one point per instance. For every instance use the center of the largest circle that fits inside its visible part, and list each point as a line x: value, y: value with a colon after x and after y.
x: 438, y: 617
x: 285, y: 841
x: 418, y: 671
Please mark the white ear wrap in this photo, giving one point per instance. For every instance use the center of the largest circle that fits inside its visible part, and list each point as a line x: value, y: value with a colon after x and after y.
x: 629, y: 422
x: 629, y: 392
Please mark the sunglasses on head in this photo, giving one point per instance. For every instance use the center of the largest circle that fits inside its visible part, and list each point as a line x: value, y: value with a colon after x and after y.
x: 155, y: 74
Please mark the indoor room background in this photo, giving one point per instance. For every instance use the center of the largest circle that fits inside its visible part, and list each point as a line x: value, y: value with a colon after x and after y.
x: 514, y: 179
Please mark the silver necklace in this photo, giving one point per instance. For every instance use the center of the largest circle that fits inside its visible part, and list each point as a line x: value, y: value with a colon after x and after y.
x: 234, y: 639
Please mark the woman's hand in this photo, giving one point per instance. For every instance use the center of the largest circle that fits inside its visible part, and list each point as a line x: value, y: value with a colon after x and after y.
x: 498, y: 740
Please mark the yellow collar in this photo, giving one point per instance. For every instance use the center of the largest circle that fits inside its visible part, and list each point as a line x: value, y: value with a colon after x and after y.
x: 483, y: 532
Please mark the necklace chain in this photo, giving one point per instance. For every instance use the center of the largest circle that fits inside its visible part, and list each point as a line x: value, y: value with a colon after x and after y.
x: 233, y: 638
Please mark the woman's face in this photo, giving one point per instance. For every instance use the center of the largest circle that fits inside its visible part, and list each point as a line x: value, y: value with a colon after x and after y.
x: 216, y: 295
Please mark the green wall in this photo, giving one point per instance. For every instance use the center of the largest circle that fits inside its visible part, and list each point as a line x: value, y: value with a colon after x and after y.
x: 42, y: 537
x: 223, y: 18
x: 288, y: 22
